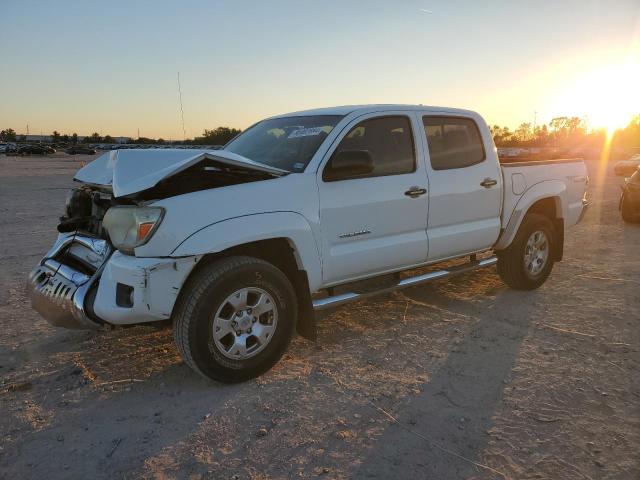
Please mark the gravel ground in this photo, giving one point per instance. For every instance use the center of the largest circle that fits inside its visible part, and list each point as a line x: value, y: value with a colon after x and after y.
x: 460, y: 379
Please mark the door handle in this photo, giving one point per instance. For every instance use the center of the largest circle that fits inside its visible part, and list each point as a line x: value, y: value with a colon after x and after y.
x: 488, y: 182
x: 415, y: 192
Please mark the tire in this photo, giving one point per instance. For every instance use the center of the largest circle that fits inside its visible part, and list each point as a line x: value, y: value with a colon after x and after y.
x: 212, y: 299
x: 626, y: 210
x: 513, y: 265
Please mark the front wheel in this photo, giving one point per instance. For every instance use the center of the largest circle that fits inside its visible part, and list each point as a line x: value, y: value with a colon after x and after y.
x: 235, y: 318
x: 528, y: 261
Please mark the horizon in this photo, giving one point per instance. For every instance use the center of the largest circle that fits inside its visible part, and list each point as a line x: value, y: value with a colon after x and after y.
x: 588, y: 130
x: 113, y: 70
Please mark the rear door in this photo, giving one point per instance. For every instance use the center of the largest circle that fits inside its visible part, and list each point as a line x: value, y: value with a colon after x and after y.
x: 375, y: 222
x: 465, y: 194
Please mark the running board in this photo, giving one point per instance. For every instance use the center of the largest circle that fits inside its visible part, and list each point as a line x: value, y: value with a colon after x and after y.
x: 336, y: 300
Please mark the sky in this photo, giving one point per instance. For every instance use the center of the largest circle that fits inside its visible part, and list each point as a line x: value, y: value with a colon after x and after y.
x: 111, y: 67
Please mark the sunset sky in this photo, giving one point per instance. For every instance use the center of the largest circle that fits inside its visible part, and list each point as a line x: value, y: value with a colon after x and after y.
x: 110, y: 67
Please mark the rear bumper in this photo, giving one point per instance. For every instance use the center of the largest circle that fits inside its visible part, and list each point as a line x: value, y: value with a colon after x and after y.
x: 59, y: 292
x: 585, y: 207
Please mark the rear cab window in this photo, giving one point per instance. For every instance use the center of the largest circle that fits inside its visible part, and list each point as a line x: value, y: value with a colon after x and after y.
x: 454, y: 142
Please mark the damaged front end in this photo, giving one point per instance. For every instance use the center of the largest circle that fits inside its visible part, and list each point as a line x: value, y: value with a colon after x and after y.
x: 62, y: 284
x: 84, y: 281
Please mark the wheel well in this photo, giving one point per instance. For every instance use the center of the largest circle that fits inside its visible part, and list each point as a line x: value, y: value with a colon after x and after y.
x: 546, y: 207
x: 280, y: 253
x: 549, y: 208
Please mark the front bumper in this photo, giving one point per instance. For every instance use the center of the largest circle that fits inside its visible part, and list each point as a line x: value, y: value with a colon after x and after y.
x: 59, y: 286
x: 78, y: 284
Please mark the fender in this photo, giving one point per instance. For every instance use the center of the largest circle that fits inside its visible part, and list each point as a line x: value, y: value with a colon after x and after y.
x: 235, y: 231
x: 556, y: 189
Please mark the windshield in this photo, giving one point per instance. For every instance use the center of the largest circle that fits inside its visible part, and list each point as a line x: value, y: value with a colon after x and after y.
x: 287, y: 143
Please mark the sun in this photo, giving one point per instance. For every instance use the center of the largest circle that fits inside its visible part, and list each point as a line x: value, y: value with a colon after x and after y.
x: 606, y: 97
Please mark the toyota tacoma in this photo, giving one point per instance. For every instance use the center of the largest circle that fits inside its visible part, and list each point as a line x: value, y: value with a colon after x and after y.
x: 240, y: 247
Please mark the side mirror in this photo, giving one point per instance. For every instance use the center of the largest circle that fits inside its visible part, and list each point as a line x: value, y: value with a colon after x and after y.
x: 347, y: 164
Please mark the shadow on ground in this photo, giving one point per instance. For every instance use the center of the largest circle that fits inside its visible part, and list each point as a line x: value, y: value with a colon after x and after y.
x: 453, y: 413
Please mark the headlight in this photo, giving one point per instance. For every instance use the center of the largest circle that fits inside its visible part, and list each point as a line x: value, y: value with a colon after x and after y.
x: 130, y: 227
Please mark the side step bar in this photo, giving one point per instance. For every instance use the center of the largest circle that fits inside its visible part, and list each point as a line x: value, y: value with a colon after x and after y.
x: 334, y: 301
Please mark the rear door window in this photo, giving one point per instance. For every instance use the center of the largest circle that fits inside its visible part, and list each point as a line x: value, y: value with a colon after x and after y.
x: 454, y: 142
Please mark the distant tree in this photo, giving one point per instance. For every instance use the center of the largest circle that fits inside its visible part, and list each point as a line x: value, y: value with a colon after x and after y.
x: 64, y: 138
x: 558, y: 124
x: 160, y: 141
x: 93, y: 138
x: 628, y: 138
x: 108, y: 139
x: 523, y: 132
x: 145, y: 141
x: 496, y: 133
x: 74, y: 138
x: 8, y: 135
x: 567, y: 131
x: 502, y: 136
x: 576, y: 125
x: 55, y: 136
x: 219, y: 136
x: 541, y: 135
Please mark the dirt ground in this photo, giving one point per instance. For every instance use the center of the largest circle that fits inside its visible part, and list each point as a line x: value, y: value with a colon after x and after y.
x: 460, y: 379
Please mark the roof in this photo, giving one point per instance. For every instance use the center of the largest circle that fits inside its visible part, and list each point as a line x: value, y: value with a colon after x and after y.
x: 347, y: 109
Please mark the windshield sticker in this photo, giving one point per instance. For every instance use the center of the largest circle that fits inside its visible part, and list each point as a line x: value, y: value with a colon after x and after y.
x: 306, y: 132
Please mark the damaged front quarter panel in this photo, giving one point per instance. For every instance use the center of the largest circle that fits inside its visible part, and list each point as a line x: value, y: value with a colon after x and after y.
x: 154, y: 284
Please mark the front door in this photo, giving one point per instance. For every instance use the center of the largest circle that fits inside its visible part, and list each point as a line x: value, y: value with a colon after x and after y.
x: 375, y: 221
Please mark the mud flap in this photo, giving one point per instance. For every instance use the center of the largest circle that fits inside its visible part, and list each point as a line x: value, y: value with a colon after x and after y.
x: 306, y: 326
x: 558, y: 223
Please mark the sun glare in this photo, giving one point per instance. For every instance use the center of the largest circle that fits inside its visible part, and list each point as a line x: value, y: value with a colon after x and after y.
x: 606, y: 97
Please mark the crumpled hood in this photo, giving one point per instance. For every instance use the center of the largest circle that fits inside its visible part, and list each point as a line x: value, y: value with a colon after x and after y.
x: 132, y: 171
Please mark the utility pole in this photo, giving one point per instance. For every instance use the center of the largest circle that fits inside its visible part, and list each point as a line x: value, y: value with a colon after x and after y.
x: 184, y: 133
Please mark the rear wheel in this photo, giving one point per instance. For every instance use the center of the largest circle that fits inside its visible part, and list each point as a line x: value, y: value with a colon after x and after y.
x: 626, y: 210
x: 235, y: 318
x: 528, y: 261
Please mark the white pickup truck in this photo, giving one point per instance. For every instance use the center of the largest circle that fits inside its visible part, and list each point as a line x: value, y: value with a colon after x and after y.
x: 240, y: 246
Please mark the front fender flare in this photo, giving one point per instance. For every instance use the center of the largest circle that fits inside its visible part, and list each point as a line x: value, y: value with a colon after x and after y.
x: 236, y: 231
x: 555, y: 189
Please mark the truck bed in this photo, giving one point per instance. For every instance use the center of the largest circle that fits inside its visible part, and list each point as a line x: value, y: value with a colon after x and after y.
x: 564, y: 177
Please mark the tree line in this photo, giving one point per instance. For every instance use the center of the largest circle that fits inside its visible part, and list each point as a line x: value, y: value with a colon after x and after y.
x: 563, y: 132
x: 566, y: 132
x: 217, y: 136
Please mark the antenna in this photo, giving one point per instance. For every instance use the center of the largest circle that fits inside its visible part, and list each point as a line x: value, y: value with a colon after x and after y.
x: 184, y: 133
